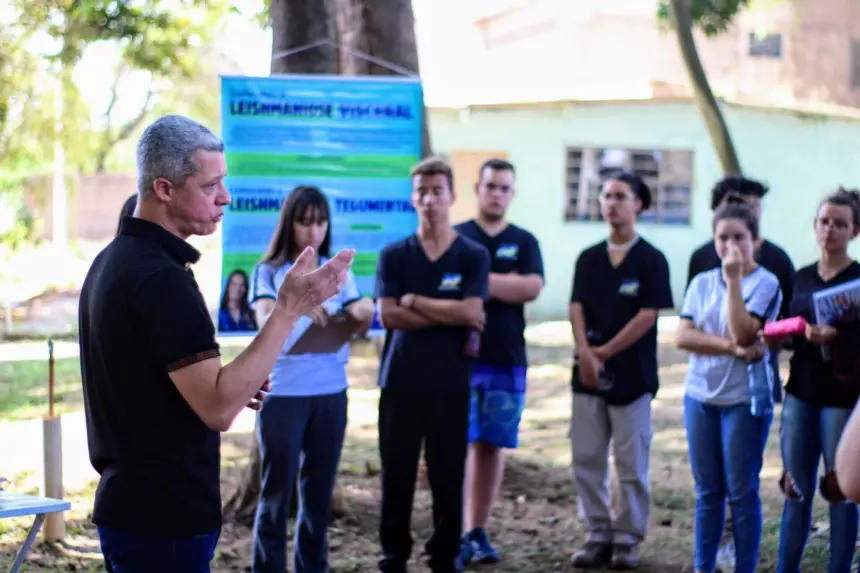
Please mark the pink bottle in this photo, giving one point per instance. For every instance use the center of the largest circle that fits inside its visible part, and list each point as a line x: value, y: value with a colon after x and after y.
x: 785, y: 327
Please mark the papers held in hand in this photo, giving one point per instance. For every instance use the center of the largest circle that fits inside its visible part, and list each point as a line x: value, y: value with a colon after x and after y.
x: 326, y: 339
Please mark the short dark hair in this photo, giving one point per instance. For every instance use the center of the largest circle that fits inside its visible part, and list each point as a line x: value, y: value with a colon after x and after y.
x: 738, y: 185
x: 496, y: 164
x: 846, y: 198
x: 737, y: 209
x: 636, y: 184
x: 127, y: 210
x: 435, y: 165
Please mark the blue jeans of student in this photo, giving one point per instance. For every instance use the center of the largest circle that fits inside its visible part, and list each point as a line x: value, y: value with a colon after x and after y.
x: 299, y: 436
x: 726, y: 446
x: 131, y: 553
x: 809, y: 433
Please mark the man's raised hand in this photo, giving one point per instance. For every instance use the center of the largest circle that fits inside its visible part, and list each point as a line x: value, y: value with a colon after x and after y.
x: 305, y: 288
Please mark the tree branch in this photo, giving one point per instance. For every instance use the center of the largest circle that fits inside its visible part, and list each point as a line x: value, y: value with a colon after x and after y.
x: 130, y: 126
x: 110, y: 141
x: 106, y: 146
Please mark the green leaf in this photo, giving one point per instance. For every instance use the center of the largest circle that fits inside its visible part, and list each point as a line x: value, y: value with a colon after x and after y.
x: 713, y: 17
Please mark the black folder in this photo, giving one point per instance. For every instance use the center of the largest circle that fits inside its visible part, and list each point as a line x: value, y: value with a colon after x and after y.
x: 326, y: 339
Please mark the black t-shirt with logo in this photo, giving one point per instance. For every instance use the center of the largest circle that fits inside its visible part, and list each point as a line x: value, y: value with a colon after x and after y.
x: 811, y: 378
x: 610, y: 298
x: 514, y: 250
x: 141, y: 316
x: 430, y: 359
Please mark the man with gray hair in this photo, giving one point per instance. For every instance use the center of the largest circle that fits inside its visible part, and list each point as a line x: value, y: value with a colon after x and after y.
x: 156, y: 395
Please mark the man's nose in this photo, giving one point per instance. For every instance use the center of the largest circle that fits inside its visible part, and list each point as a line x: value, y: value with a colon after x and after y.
x: 223, y: 197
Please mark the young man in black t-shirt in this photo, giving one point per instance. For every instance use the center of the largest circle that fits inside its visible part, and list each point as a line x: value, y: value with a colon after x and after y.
x: 431, y: 288
x: 499, y: 374
x: 619, y: 288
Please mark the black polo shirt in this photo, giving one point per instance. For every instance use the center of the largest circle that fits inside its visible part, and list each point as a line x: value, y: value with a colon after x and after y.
x: 142, y: 316
x: 514, y: 250
x: 610, y: 298
x: 769, y: 255
x: 810, y: 378
x: 430, y: 359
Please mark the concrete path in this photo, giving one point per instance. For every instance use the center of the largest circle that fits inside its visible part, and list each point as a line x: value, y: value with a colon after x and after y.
x: 556, y: 332
x: 21, y: 441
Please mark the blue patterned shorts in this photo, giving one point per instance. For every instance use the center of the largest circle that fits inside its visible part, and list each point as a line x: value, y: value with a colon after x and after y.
x: 498, y: 401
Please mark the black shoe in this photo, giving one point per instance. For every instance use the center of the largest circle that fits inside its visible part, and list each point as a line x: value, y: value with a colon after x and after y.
x: 593, y: 555
x: 388, y: 565
x: 624, y: 558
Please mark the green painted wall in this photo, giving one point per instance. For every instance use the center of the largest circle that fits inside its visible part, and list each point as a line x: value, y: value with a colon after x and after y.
x: 801, y: 158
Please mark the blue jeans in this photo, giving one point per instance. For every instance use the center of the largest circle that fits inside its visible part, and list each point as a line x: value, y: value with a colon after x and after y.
x: 302, y: 436
x: 131, y: 553
x: 726, y: 446
x: 808, y: 433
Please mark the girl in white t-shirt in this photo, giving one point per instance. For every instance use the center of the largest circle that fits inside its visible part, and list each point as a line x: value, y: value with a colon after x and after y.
x: 723, y: 311
x: 302, y: 423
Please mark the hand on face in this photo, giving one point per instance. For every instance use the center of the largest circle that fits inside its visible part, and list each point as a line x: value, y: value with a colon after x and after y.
x: 732, y: 262
x: 304, y: 289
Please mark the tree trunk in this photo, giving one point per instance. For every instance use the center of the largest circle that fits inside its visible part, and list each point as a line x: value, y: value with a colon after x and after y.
x: 295, y: 23
x: 241, y: 506
x: 682, y: 22
x: 384, y: 29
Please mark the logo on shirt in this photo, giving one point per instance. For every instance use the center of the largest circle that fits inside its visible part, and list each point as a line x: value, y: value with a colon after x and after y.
x: 508, y: 251
x: 629, y: 288
x: 450, y: 281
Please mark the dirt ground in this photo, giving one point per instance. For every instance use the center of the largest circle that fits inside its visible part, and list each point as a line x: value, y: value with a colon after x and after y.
x: 535, y: 523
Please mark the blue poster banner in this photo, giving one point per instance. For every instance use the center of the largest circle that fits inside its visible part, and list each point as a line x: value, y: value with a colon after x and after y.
x: 355, y: 138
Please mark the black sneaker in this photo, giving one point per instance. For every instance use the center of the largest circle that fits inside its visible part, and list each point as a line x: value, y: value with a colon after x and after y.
x: 593, y: 555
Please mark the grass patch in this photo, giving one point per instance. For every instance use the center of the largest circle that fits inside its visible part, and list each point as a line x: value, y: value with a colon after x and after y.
x: 24, y: 386
x: 535, y: 522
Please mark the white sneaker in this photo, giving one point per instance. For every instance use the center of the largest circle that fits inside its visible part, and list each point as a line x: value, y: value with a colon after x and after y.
x: 726, y: 556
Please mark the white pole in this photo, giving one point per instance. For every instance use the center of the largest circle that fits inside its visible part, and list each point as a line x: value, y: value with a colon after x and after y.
x: 52, y: 486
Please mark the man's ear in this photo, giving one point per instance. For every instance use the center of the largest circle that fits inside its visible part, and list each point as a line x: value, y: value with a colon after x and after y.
x: 162, y: 189
x: 476, y: 188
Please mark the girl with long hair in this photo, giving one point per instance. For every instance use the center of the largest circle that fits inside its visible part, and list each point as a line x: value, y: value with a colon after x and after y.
x: 235, y: 312
x: 302, y: 423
